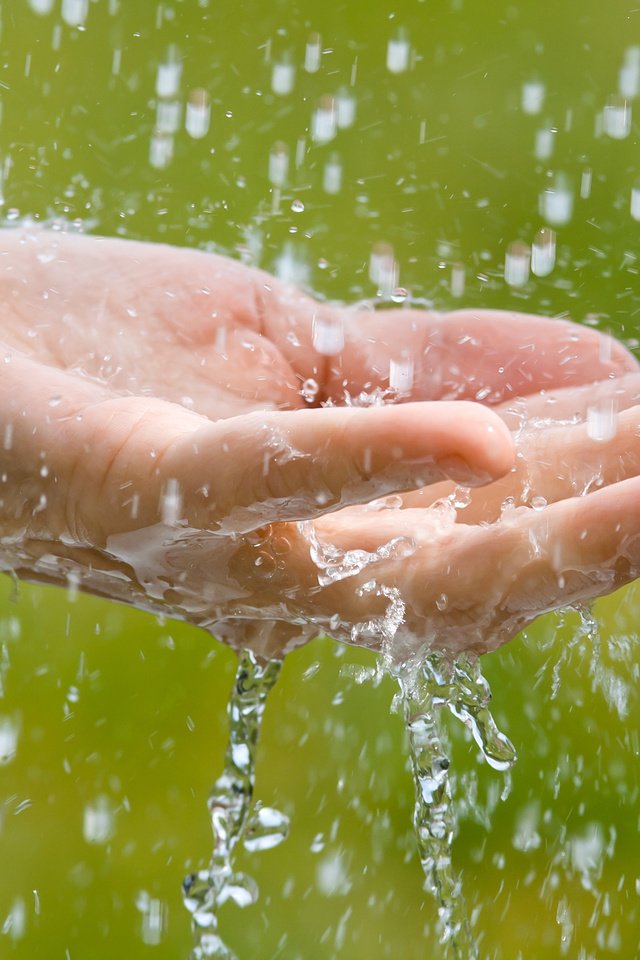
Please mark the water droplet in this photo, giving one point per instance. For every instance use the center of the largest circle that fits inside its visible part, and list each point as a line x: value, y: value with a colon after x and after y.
x: 266, y: 829
x: 383, y: 268
x: 297, y: 206
x: 543, y: 252
x: 602, y: 419
x: 556, y: 202
x: 532, y: 96
x: 345, y: 108
x: 98, y: 821
x: 169, y: 74
x: 74, y: 12
x: 399, y: 294
x: 171, y: 505
x: 328, y: 335
x: 543, y: 148
x: 616, y: 118
x: 516, y: 264
x: 538, y: 503
x: 324, y: 121
x: 635, y: 200
x: 198, y: 115
x: 401, y: 375
x: 310, y: 389
x: 458, y: 280
x: 332, y: 175
x: 279, y: 164
x: 313, y: 53
x: 283, y: 77
x: 398, y: 52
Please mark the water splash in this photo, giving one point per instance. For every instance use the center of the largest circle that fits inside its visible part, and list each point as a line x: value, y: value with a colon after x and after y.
x: 426, y: 684
x: 232, y: 818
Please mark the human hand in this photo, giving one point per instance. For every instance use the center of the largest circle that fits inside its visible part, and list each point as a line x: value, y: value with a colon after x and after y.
x: 157, y: 449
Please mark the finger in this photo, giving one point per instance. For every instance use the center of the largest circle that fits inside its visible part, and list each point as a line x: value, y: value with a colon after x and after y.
x: 465, y: 588
x: 555, y: 463
x: 484, y: 355
x: 570, y: 403
x: 261, y: 468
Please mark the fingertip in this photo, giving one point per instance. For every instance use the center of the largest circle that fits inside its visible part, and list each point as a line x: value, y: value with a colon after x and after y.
x: 490, y: 452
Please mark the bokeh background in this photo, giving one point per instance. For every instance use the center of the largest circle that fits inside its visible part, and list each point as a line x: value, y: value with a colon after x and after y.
x: 112, y: 724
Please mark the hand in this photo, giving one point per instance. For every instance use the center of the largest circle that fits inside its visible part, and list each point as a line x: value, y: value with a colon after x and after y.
x: 160, y: 447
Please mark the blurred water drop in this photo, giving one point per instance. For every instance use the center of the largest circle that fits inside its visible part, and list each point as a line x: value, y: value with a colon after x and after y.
x: 160, y: 150
x: 168, y: 116
x: 291, y: 267
x: 313, y: 53
x: 332, y: 175
x: 169, y: 74
x: 635, y: 200
x: 328, y: 335
x: 401, y: 375
x: 543, y: 252
x: 154, y: 922
x: 629, y: 75
x: 198, y: 114
x: 283, y: 76
x: 74, y: 12
x: 324, y: 121
x: 458, y: 280
x: 602, y: 419
x: 616, y: 118
x: 42, y: 6
x: 279, y: 164
x: 398, y: 52
x: 171, y: 506
x: 516, y: 264
x: 15, y: 923
x: 345, y: 108
x: 383, y: 268
x: 543, y: 148
x: 556, y: 202
x: 9, y: 732
x: 532, y: 96
x: 98, y: 821
x: 585, y: 183
x: 297, y: 206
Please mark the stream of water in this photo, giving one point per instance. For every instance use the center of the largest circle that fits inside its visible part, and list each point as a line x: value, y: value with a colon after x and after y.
x: 427, y: 683
x: 234, y: 816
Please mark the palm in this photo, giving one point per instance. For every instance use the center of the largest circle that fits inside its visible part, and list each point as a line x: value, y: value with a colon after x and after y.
x: 147, y: 374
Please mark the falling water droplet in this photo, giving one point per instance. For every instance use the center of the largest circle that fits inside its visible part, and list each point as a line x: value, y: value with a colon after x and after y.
x: 616, y: 118
x: 198, y: 114
x: 516, y: 264
x: 532, y: 96
x: 543, y: 252
x: 169, y: 74
x: 332, y: 175
x: 398, y: 52
x: 324, y: 121
x: 74, y: 12
x: 279, y: 164
x: 556, y: 202
x: 313, y: 53
x: 283, y: 75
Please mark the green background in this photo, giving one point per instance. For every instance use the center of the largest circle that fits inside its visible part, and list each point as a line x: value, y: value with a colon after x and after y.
x: 108, y: 702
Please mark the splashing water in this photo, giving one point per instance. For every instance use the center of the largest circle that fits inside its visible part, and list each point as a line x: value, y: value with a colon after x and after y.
x: 434, y: 681
x: 232, y: 817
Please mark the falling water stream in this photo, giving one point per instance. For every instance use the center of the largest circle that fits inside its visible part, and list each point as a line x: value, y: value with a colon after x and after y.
x: 234, y: 817
x: 428, y: 682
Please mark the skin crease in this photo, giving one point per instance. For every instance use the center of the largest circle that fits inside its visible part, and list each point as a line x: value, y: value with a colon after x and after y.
x: 158, y: 450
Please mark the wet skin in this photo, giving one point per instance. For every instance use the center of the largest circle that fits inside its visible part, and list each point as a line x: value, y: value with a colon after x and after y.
x: 159, y: 450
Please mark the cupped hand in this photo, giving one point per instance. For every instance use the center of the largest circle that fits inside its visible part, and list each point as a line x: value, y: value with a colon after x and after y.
x: 189, y: 435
